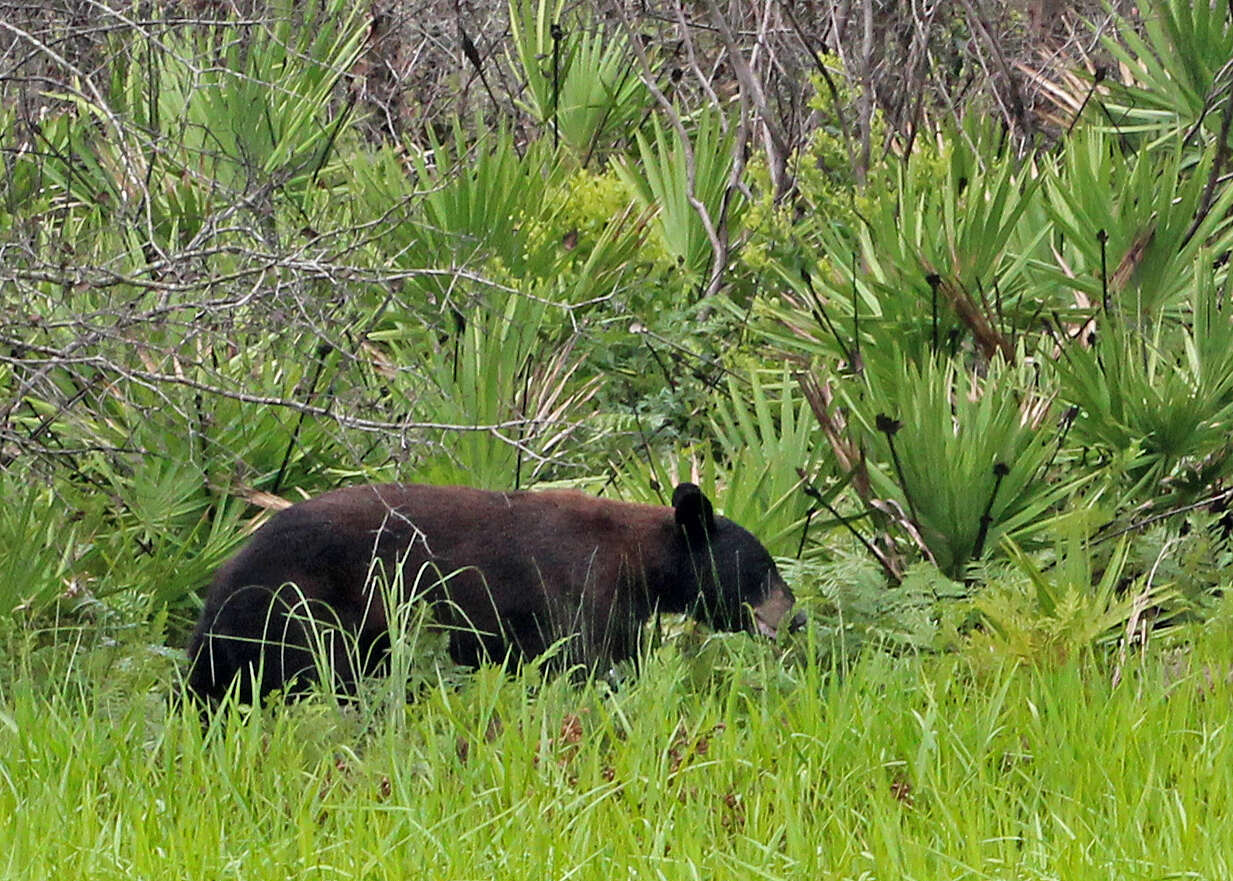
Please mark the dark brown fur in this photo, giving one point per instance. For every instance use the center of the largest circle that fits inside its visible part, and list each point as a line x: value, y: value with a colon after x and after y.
x: 509, y: 573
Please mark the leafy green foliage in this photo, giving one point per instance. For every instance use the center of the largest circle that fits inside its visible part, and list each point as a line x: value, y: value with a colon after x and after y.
x: 1179, y: 65
x: 936, y: 264
x: 764, y: 443
x: 938, y: 313
x: 257, y: 116
x: 517, y: 215
x: 1132, y: 227
x: 214, y: 293
x: 1157, y: 394
x: 768, y: 445
x: 168, y: 536
x: 673, y: 173
x: 477, y: 196
x: 853, y: 607
x: 964, y: 459
x: 581, y: 85
x: 503, y: 411
x: 225, y: 296
x: 1051, y: 614
x: 39, y: 546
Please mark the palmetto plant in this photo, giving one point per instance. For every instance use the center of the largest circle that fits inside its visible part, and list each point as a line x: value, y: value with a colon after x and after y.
x: 1180, y: 66
x: 486, y: 206
x: 1129, y: 228
x: 230, y: 109
x: 39, y: 550
x: 167, y: 471
x: 962, y: 458
x: 478, y: 196
x: 582, y: 84
x: 1156, y: 392
x: 673, y: 174
x: 938, y: 265
x: 770, y: 447
x: 1080, y: 595
x: 168, y: 537
x: 1048, y: 615
x: 514, y: 405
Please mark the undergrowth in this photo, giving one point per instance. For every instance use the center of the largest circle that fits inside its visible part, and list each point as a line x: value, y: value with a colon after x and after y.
x: 720, y: 760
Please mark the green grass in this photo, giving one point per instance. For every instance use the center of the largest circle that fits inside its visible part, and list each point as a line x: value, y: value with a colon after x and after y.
x: 720, y: 763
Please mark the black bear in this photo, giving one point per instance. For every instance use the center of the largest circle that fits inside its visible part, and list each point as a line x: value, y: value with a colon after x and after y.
x: 508, y: 573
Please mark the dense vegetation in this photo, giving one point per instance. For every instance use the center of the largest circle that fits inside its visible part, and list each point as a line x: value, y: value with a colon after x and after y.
x: 964, y: 364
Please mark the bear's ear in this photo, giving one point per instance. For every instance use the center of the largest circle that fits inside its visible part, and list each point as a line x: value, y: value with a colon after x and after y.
x: 694, y: 515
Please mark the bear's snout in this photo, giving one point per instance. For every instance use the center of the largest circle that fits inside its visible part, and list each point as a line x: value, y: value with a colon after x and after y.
x: 774, y: 608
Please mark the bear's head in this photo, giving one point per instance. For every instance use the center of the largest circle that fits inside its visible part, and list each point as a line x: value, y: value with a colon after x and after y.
x: 735, y: 584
